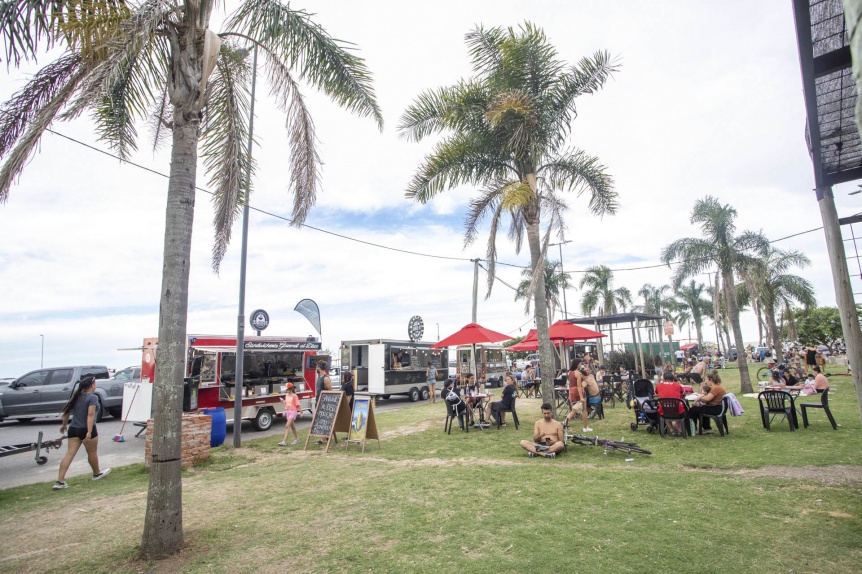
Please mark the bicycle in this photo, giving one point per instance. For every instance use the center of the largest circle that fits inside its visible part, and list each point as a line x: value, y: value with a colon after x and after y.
x: 608, y: 444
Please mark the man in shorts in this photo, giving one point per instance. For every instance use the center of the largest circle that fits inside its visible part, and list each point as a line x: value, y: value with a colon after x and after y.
x: 548, y: 436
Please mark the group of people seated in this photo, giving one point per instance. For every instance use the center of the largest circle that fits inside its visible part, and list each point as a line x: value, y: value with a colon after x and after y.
x: 462, y: 396
x: 711, y: 393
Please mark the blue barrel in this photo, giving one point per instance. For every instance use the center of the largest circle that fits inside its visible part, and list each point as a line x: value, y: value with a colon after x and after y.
x: 219, y: 426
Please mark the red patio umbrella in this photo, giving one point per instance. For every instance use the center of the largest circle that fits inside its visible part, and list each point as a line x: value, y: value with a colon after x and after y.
x: 470, y: 335
x: 566, y: 331
x: 528, y: 343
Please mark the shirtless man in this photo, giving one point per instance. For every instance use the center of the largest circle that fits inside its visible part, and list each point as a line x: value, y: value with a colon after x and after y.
x: 548, y: 436
x: 698, y: 372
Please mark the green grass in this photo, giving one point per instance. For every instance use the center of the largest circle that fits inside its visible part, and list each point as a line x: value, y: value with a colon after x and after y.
x: 753, y: 501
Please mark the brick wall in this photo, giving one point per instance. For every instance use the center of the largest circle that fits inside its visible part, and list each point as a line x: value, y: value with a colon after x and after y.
x: 195, y: 439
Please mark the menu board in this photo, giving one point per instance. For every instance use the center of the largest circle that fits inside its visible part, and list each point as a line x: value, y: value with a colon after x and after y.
x: 329, y: 417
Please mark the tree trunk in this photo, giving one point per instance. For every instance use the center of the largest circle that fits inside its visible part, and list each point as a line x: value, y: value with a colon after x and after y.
x: 726, y: 342
x: 546, y: 350
x: 733, y: 315
x: 163, y: 523
x: 698, y: 320
x: 775, y: 337
x: 756, y: 307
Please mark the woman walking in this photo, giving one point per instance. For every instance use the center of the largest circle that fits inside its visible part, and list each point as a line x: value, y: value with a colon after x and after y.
x: 431, y: 381
x: 82, y: 408
x: 291, y: 411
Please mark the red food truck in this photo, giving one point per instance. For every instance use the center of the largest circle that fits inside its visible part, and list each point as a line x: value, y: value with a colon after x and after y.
x: 269, y: 363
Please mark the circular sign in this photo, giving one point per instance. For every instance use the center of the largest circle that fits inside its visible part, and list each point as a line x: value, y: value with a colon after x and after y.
x: 415, y: 329
x: 259, y: 320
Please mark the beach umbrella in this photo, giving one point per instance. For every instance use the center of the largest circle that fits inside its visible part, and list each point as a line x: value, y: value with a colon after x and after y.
x: 566, y: 331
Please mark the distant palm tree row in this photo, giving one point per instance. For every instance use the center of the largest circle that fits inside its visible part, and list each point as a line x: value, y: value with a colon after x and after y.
x: 747, y: 270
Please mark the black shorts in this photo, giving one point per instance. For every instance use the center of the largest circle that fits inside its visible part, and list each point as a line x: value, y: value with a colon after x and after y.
x: 81, y: 433
x: 695, y: 377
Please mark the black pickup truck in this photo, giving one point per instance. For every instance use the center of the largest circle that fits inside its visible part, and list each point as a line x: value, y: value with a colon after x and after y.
x: 44, y: 392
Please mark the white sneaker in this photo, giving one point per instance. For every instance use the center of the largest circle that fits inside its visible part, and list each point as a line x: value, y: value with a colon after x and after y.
x: 294, y: 442
x: 60, y: 485
x: 102, y: 474
x: 282, y: 443
x: 588, y: 429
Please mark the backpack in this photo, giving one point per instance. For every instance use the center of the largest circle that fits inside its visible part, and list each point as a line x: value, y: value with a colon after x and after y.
x: 453, y: 397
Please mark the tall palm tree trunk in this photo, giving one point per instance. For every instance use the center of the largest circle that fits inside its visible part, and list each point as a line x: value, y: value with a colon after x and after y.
x: 733, y: 315
x: 774, y: 333
x: 546, y: 350
x: 698, y: 320
x: 163, y: 522
x: 756, y: 306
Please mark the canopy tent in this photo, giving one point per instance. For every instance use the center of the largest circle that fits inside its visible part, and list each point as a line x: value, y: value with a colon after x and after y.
x: 634, y: 323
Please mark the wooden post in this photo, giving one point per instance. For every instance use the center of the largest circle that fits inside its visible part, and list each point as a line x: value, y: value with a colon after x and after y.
x: 640, y: 347
x: 843, y: 289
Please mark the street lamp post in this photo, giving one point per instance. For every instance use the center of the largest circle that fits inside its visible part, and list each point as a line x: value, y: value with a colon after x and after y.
x: 42, y: 359
x: 562, y: 271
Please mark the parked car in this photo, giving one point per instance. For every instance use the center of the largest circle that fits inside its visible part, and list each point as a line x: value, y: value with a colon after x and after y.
x: 760, y: 353
x: 45, y: 392
x: 521, y: 364
x: 128, y: 375
x: 335, y: 377
x: 732, y: 354
x: 5, y: 381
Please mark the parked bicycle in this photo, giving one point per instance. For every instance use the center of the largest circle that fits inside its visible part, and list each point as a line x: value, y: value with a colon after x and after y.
x: 607, y: 444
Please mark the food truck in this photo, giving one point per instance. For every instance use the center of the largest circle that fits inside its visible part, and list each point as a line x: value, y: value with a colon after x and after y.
x: 269, y: 363
x: 489, y: 364
x: 389, y: 367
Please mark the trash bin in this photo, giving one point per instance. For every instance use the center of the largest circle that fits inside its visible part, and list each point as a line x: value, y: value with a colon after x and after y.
x: 219, y: 426
x: 190, y: 393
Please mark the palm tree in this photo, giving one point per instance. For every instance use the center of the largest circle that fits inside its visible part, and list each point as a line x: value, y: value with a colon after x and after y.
x: 128, y: 61
x: 507, y: 129
x: 599, y: 293
x: 691, y: 306
x: 773, y: 288
x: 720, y: 247
x: 555, y: 283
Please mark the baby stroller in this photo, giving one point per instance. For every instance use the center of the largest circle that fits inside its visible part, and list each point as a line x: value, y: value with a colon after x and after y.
x: 645, y: 411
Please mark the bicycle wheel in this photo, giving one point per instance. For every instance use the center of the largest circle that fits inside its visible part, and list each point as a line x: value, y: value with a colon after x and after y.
x: 764, y: 374
x: 625, y: 446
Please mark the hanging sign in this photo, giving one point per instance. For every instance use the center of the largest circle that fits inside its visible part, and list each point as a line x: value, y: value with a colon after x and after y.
x: 668, y: 328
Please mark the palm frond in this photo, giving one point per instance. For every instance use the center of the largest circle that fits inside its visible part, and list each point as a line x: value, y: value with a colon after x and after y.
x: 304, y: 46
x: 134, y: 62
x: 458, y: 159
x: 26, y: 23
x: 304, y: 159
x: 484, y: 47
x: 224, y: 142
x: 160, y: 117
x: 694, y: 256
x: 491, y: 251
x: 48, y: 93
x: 456, y: 108
x: 576, y: 171
x: 87, y: 26
x: 21, y: 109
x: 490, y: 199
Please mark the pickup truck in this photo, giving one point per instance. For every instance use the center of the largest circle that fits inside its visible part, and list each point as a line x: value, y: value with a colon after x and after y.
x: 44, y: 392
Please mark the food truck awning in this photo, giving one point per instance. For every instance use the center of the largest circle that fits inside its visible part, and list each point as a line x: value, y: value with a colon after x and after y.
x: 221, y: 344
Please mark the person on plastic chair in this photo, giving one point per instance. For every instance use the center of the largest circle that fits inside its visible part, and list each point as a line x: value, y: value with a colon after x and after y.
x: 710, y: 403
x: 497, y: 408
x: 548, y: 436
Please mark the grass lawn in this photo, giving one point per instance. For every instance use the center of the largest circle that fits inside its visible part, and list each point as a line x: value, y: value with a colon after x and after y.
x: 753, y: 501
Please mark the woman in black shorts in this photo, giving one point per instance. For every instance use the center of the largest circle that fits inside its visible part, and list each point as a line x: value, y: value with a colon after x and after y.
x: 82, y: 430
x: 810, y: 358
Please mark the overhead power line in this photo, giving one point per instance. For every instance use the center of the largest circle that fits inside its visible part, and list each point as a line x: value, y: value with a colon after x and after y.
x: 379, y: 245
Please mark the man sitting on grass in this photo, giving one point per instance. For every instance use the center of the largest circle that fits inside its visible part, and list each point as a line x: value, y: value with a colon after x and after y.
x: 548, y: 436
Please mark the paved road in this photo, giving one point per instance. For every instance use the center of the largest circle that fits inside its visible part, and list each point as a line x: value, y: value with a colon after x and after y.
x: 19, y: 469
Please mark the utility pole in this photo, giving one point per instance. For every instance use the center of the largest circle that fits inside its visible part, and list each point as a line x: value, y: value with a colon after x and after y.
x: 475, y: 287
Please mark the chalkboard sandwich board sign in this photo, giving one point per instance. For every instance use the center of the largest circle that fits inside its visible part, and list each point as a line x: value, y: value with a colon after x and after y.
x: 330, y: 417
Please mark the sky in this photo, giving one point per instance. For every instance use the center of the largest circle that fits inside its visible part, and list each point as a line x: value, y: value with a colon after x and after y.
x: 707, y: 101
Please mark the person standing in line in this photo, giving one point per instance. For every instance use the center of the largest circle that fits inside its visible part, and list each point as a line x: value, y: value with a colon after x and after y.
x: 349, y: 390
x: 323, y: 384
x: 291, y: 411
x: 82, y: 430
x: 431, y: 381
x: 810, y: 358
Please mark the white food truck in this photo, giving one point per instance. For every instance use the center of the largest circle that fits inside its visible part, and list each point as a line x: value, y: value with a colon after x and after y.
x: 389, y: 367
